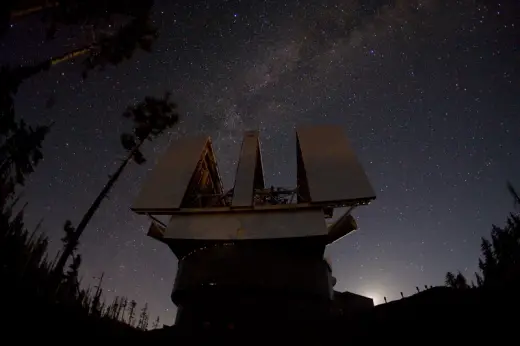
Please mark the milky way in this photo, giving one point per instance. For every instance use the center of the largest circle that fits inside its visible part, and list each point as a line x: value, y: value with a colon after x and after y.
x: 427, y: 93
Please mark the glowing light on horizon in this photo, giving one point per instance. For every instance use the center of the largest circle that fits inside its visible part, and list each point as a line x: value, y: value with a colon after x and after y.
x: 378, y: 298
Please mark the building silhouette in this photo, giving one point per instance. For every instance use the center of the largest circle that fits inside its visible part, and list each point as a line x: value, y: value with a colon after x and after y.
x: 255, y: 253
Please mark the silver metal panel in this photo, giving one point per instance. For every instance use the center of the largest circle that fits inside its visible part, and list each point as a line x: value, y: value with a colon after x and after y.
x: 332, y: 169
x: 247, y: 225
x: 166, y: 185
x: 246, y: 168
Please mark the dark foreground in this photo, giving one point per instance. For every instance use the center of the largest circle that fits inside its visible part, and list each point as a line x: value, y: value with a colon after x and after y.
x: 439, y: 313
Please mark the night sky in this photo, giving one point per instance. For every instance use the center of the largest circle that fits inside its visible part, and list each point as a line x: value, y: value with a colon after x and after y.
x: 427, y: 93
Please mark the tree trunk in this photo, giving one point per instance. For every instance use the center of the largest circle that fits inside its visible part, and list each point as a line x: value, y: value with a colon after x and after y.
x: 70, y: 55
x: 18, y: 14
x: 69, y: 248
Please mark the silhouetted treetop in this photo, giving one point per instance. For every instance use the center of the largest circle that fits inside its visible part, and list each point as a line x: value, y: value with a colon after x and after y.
x: 68, y: 239
x: 456, y: 281
x: 112, y: 49
x: 500, y: 257
x: 21, y: 151
x: 150, y: 117
x: 10, y: 80
x: 117, y: 29
x: 71, y: 12
x: 91, y: 12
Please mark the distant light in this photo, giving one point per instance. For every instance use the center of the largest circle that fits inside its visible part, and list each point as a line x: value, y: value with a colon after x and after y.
x: 375, y: 296
x: 235, y: 15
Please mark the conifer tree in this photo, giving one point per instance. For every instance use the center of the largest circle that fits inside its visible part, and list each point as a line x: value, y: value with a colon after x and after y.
x: 156, y: 323
x: 150, y: 119
x: 131, y: 312
x: 143, y: 318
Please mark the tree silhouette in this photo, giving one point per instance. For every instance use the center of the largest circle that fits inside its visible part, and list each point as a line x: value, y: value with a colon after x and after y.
x: 24, y: 262
x: 487, y: 263
x: 116, y: 48
x: 450, y: 280
x: 156, y: 323
x: 456, y: 281
x: 97, y: 304
x: 143, y: 318
x: 122, y: 308
x: 461, y: 281
x: 479, y: 279
x: 499, y: 263
x: 117, y: 27
x: 113, y: 40
x: 24, y: 265
x: 72, y: 274
x: 131, y: 312
x: 112, y: 309
x: 71, y: 282
x: 21, y: 151
x: 10, y: 80
x: 150, y: 118
x: 69, y: 239
x: 20, y: 145
x: 75, y: 12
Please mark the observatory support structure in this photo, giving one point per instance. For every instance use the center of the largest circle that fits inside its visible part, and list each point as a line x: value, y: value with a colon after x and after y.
x: 250, y: 282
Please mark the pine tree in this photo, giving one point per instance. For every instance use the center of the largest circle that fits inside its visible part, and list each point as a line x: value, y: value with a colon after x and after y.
x: 460, y: 281
x: 118, y: 28
x: 122, y: 309
x: 114, y: 308
x: 450, y: 280
x: 97, y: 303
x: 500, y: 257
x: 71, y: 278
x: 113, y: 49
x: 488, y: 264
x: 131, y: 312
x: 143, y: 318
x: 20, y: 152
x: 479, y: 279
x: 10, y: 81
x: 68, y: 239
x: 150, y: 118
x: 156, y: 323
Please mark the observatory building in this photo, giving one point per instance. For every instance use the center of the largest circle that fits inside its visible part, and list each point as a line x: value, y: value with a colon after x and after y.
x: 254, y: 253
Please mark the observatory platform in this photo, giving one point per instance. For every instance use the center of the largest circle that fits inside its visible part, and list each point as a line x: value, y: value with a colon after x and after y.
x: 253, y: 251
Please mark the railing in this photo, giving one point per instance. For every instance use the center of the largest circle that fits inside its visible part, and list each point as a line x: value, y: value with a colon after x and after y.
x: 266, y: 197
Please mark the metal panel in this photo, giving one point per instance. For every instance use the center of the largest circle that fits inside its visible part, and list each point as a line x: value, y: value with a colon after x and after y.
x: 247, y: 225
x: 156, y: 231
x: 166, y: 185
x: 343, y: 226
x: 249, y: 171
x: 332, y: 170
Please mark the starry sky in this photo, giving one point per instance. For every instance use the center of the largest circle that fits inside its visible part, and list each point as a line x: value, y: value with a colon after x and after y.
x: 426, y: 91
